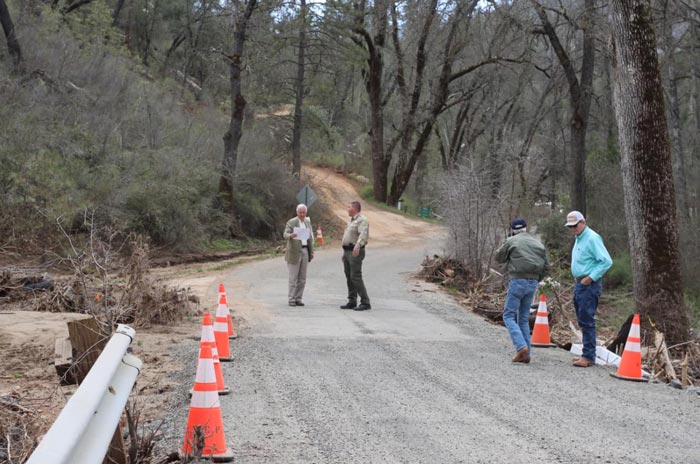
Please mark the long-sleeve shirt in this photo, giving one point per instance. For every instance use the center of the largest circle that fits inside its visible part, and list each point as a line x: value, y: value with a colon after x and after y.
x: 589, y: 256
x: 525, y: 255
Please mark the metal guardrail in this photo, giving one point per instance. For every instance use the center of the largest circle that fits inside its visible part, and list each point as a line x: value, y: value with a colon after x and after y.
x: 83, y: 430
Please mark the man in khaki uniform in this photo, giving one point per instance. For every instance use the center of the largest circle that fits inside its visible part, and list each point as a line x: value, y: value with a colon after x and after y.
x: 298, y: 255
x: 354, y: 240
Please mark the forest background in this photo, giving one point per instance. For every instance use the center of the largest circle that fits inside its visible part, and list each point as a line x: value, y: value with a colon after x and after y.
x: 187, y: 122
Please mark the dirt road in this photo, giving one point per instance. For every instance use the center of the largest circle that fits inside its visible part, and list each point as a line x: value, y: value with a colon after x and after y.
x: 417, y: 379
x: 386, y: 229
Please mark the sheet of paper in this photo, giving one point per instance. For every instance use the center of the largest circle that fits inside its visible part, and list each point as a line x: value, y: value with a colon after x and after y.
x: 302, y: 233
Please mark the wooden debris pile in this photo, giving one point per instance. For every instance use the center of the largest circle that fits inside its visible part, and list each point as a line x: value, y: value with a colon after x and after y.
x: 69, y: 295
x: 447, y: 272
x: 19, y: 428
x: 17, y: 285
x: 678, y: 365
x: 144, y: 301
x: 131, y: 297
x: 488, y: 305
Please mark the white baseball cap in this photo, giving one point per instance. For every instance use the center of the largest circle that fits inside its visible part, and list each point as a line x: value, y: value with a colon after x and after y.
x: 574, y: 218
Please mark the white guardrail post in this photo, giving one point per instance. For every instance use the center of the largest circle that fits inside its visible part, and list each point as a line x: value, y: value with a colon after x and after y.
x: 83, y: 431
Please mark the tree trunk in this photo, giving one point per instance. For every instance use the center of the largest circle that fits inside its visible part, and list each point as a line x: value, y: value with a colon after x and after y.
x: 299, y: 93
x: 75, y: 5
x: 373, y: 84
x: 647, y: 172
x: 675, y: 115
x: 238, y: 103
x: 409, y: 99
x: 151, y: 18
x: 695, y: 104
x: 115, y: 13
x: 580, y: 93
x: 9, y: 28
x: 440, y: 93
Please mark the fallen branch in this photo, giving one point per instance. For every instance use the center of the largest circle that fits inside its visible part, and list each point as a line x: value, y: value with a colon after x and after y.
x: 684, y: 371
x: 660, y: 343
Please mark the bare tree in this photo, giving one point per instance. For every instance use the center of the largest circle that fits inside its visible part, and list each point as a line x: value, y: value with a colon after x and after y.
x: 678, y: 145
x: 422, y: 130
x: 299, y: 90
x: 117, y: 9
x: 74, y: 5
x: 151, y: 18
x: 374, y: 43
x: 8, y: 28
x: 580, y: 91
x: 647, y: 172
x: 243, y: 10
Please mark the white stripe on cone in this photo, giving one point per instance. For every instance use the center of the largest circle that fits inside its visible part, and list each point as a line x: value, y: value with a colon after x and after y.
x: 208, y: 333
x: 221, y: 327
x: 634, y: 331
x: 205, y: 371
x: 205, y: 399
x: 633, y: 346
x: 222, y: 312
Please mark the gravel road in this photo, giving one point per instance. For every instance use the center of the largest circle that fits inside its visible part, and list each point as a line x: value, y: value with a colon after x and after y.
x: 419, y: 380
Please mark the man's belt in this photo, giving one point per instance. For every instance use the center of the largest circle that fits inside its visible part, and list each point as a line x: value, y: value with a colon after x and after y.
x: 305, y: 246
x: 350, y: 247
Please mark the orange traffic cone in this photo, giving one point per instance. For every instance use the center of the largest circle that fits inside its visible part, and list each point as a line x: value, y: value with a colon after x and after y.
x: 229, y: 320
x: 221, y: 330
x: 205, y: 427
x: 209, y: 340
x: 631, y: 363
x: 540, y: 333
x: 319, y: 236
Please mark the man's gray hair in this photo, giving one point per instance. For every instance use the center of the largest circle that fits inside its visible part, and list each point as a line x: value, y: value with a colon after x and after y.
x: 302, y: 206
x: 519, y: 231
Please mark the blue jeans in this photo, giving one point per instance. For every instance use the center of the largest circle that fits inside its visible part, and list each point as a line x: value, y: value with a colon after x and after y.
x: 586, y: 302
x: 516, y: 314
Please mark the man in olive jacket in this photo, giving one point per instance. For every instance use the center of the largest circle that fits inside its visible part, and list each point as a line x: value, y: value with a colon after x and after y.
x: 298, y: 254
x: 527, y: 264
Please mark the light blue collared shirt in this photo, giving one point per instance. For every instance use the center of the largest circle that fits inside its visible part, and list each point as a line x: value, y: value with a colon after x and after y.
x: 589, y: 256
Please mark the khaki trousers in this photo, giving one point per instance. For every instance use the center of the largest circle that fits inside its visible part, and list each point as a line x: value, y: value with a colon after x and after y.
x: 297, y: 276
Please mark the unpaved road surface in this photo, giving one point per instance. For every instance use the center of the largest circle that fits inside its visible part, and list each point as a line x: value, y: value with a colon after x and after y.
x: 417, y: 379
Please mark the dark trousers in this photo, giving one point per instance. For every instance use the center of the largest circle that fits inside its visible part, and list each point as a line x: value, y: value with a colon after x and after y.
x: 586, y: 303
x: 353, y: 275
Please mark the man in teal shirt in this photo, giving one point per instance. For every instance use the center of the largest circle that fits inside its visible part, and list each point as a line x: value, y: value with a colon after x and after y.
x: 589, y: 261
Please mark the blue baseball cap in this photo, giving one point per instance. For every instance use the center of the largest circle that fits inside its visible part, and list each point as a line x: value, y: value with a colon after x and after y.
x: 518, y: 223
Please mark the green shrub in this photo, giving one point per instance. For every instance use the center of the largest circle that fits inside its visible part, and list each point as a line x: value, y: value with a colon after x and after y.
x: 555, y: 236
x: 410, y: 205
x: 620, y: 274
x: 692, y: 302
x: 265, y: 196
x: 367, y: 192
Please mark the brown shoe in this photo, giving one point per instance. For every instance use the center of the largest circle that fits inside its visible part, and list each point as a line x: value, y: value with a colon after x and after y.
x: 522, y: 356
x: 583, y: 362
